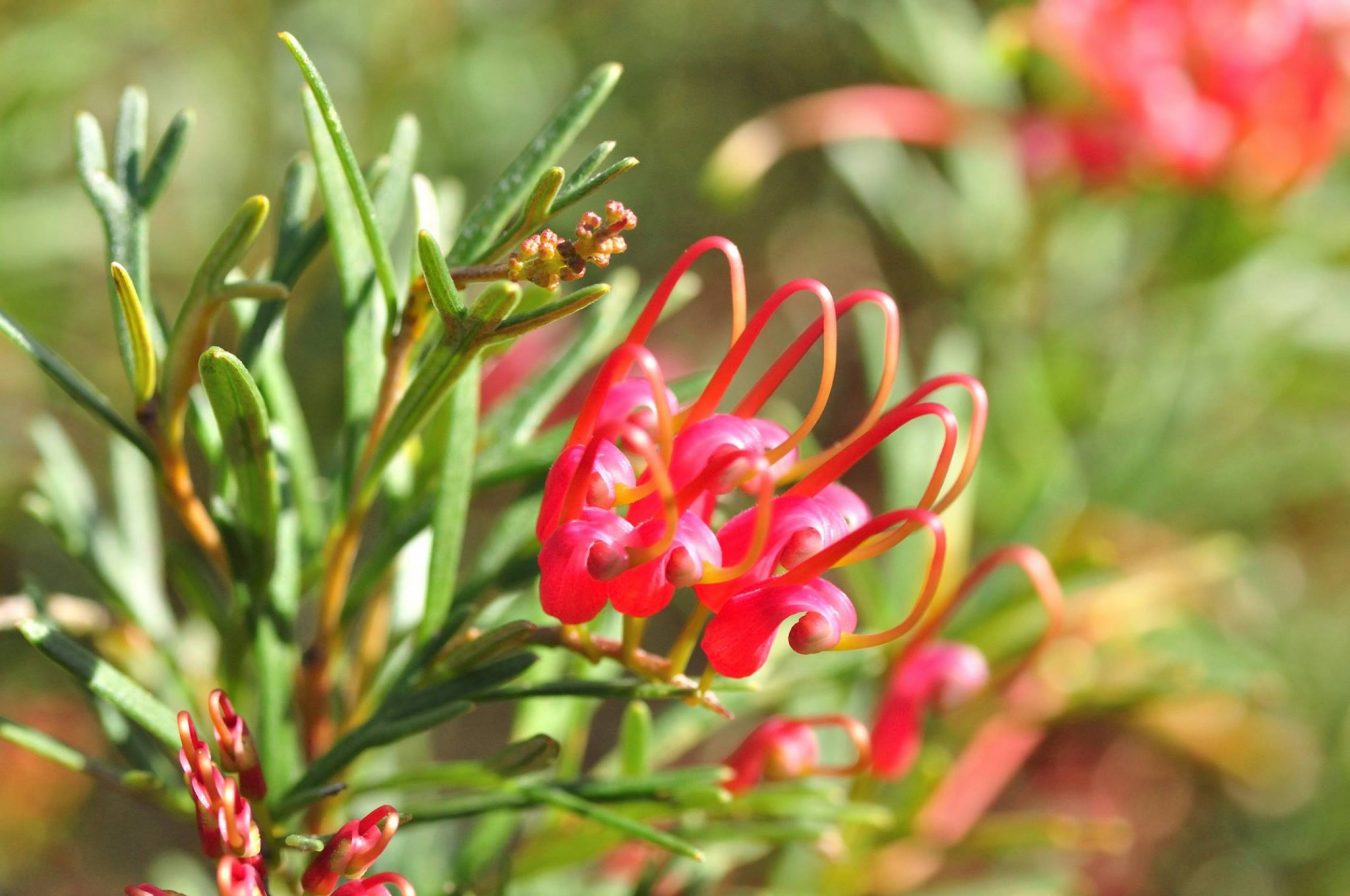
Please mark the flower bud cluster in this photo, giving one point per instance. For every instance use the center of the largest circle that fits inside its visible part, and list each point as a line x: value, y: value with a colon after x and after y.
x: 546, y: 259
x: 641, y: 500
x: 225, y: 822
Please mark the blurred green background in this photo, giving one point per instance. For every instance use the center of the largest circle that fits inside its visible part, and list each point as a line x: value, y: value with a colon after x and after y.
x: 1168, y: 372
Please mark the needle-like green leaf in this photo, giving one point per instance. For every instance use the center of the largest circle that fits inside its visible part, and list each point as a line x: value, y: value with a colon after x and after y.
x: 75, y: 385
x: 102, y: 680
x: 351, y: 170
x: 504, y: 200
x: 242, y: 418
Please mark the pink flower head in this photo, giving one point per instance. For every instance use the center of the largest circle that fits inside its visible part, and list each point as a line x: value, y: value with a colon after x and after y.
x: 238, y: 877
x: 936, y: 674
x: 350, y: 851
x: 238, y: 751
x: 1246, y: 91
x: 634, y: 506
x: 225, y: 822
x: 782, y: 749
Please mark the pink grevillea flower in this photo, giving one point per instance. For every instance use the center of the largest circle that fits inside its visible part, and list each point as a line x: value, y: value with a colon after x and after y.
x: 936, y: 674
x: 1247, y: 91
x: 351, y: 851
x: 1248, y: 94
x: 785, y: 748
x: 634, y: 506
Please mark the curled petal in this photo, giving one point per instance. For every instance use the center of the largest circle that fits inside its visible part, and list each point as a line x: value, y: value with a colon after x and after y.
x: 738, y: 639
x: 578, y: 562
x: 646, y: 589
x: 779, y: 749
x: 799, y: 527
x: 941, y: 674
x: 610, y: 467
x: 634, y: 401
x: 711, y: 457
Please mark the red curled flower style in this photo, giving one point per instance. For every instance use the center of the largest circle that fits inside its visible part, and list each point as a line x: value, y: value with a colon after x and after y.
x: 784, y: 748
x: 936, y: 674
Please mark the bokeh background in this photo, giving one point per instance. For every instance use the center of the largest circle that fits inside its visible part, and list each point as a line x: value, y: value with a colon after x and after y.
x: 1167, y: 362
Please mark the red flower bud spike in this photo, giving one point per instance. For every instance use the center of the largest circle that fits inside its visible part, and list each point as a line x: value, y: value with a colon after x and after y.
x: 350, y: 851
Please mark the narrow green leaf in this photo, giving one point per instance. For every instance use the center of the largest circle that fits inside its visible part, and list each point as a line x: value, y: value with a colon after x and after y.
x: 591, y: 164
x: 192, y: 329
x: 99, y: 676
x: 635, y: 739
x: 75, y: 385
x: 364, y: 321
x: 138, y: 334
x: 242, y: 418
x: 351, y: 170
x: 129, y: 140
x: 444, y: 295
x: 537, y: 207
x: 133, y: 555
x: 519, y: 758
x: 504, y: 199
x: 475, y: 684
x: 48, y: 747
x: 91, y: 163
x: 452, y: 501
x: 489, y: 645
x: 578, y: 189
x: 438, y: 373
x: 375, y: 733
x: 520, y: 324
x: 621, y: 823
x: 164, y: 158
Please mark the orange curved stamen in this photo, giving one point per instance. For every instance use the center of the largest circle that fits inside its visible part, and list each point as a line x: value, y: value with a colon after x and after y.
x: 979, y: 415
x: 656, y: 304
x: 616, y: 366
x: 759, y: 536
x: 890, y: 367
x: 857, y: 734
x: 1038, y: 571
x: 712, y: 394
x: 822, y: 474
